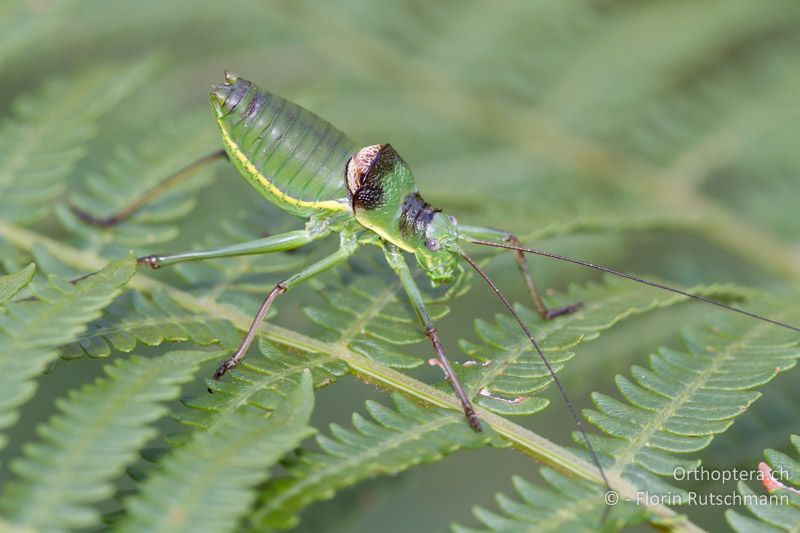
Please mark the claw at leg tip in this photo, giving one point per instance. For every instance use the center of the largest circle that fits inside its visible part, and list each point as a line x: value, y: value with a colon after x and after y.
x: 473, y: 420
x: 566, y: 310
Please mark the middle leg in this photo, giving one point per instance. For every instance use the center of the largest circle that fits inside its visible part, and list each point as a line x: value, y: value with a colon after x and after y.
x: 345, y: 250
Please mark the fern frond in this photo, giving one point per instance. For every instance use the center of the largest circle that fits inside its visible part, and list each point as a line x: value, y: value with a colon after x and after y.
x: 567, y: 504
x: 262, y: 381
x: 686, y: 397
x: 675, y: 407
x: 13, y: 258
x: 84, y: 448
x: 209, y: 483
x: 780, y: 509
x: 513, y: 370
x: 47, y: 135
x: 372, y: 322
x: 152, y: 319
x: 31, y: 331
x: 393, y: 441
x: 14, y: 282
x: 130, y: 173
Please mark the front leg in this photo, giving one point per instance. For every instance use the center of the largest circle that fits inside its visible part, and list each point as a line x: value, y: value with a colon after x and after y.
x: 398, y: 264
x: 476, y: 232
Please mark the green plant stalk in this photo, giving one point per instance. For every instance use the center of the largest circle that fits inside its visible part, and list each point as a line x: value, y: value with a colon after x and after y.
x: 521, y: 438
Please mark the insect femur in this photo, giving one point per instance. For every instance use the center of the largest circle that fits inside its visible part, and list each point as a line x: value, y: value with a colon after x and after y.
x: 359, y: 165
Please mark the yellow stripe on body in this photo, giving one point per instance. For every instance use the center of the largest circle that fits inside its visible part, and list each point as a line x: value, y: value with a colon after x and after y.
x: 236, y: 152
x: 386, y: 237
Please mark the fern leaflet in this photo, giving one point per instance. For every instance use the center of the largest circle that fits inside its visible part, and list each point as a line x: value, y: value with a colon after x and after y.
x: 685, y: 398
x: 262, y: 381
x: 392, y: 442
x: 14, y: 282
x: 567, y: 504
x: 372, y: 322
x: 30, y: 331
x: 47, y: 136
x: 208, y: 484
x: 129, y: 174
x: 84, y: 448
x: 513, y: 371
x: 152, y: 319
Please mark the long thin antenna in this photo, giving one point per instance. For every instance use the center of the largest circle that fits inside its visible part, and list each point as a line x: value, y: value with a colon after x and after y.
x: 550, y: 370
x: 636, y: 279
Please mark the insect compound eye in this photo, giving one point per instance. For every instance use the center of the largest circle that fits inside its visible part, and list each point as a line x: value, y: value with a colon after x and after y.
x: 432, y: 245
x: 452, y: 220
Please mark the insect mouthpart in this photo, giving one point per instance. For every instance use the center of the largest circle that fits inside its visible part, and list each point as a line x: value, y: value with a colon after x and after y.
x: 441, y: 276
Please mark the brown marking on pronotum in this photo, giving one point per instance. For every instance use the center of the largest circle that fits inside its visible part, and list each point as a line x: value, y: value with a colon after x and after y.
x: 358, y: 166
x: 364, y: 173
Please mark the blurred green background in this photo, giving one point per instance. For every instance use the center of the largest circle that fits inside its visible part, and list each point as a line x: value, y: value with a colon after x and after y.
x: 654, y: 136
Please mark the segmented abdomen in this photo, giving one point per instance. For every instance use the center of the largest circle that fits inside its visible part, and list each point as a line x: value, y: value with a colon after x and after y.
x: 295, y: 158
